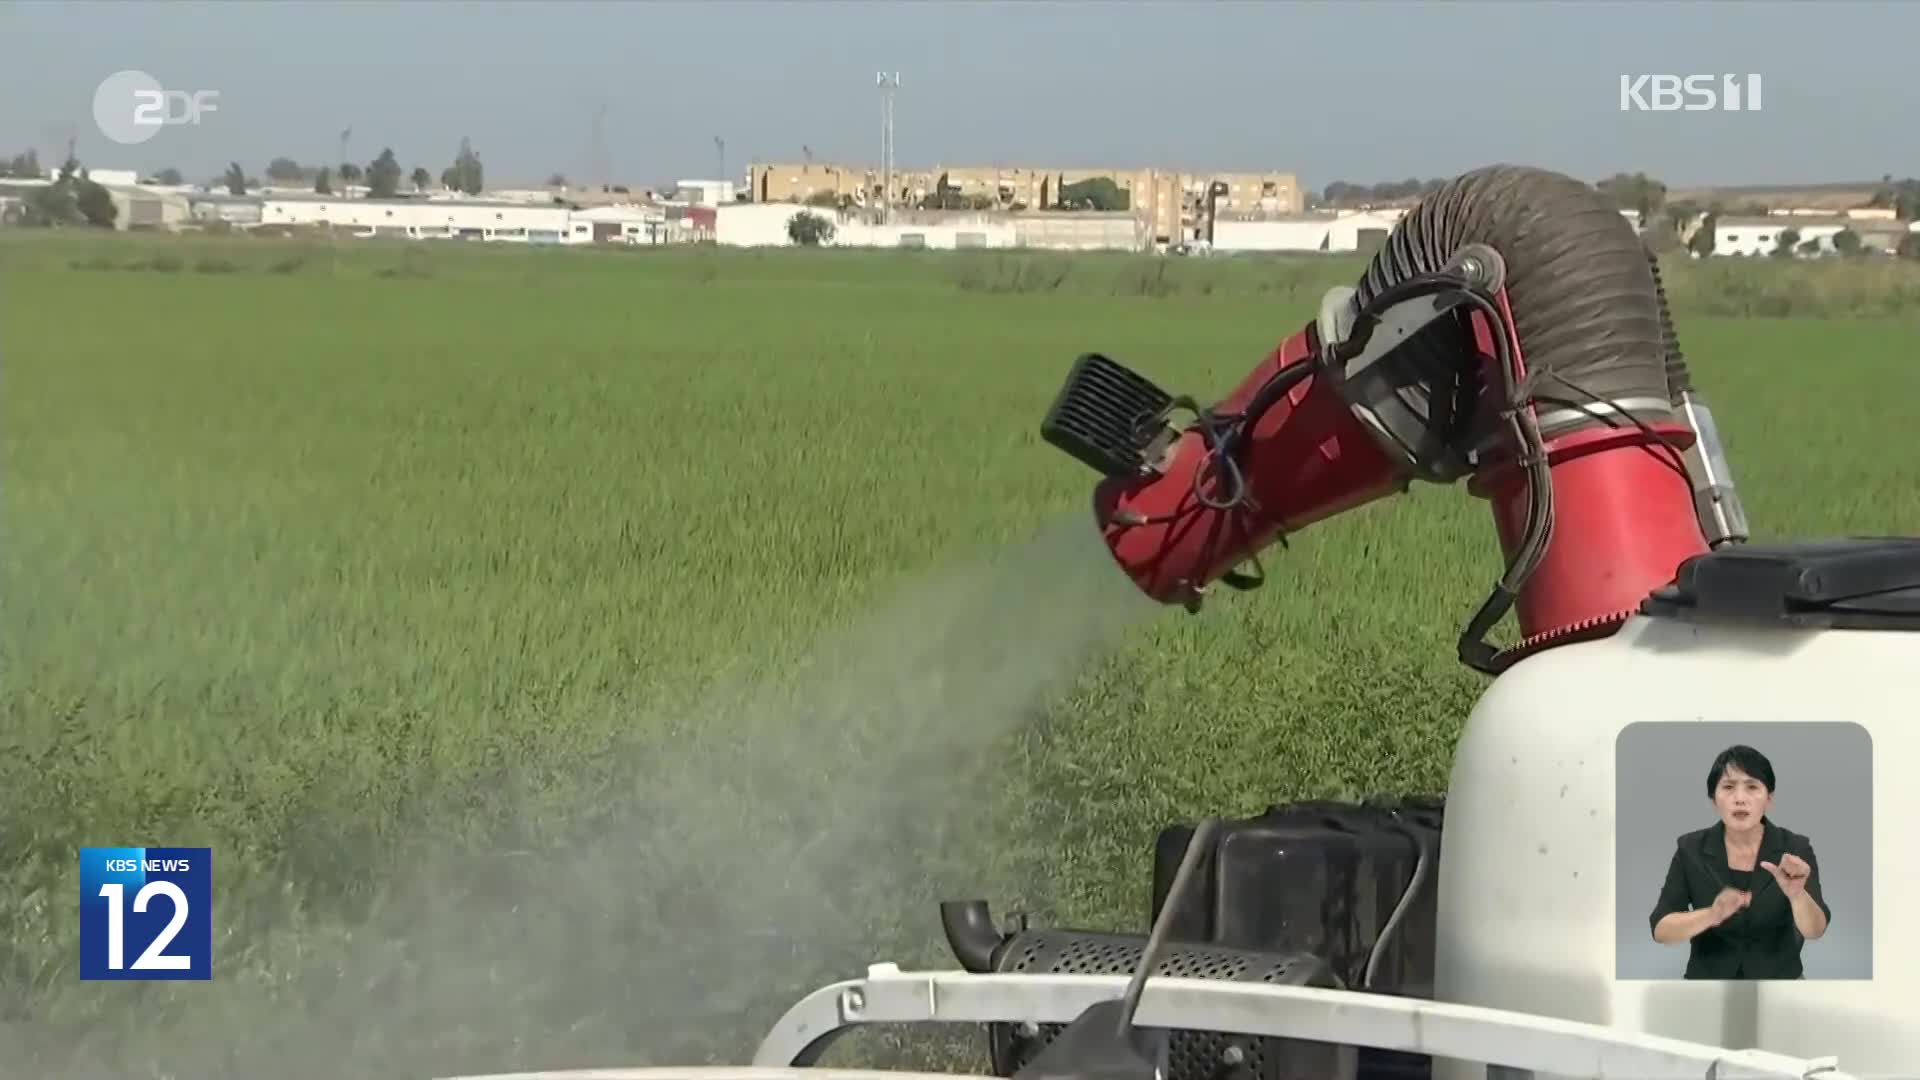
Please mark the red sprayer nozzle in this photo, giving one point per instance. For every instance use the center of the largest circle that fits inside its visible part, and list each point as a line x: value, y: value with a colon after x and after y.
x: 1306, y: 458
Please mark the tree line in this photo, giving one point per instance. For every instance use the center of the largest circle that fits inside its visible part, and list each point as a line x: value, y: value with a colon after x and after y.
x: 1342, y: 194
x: 72, y: 198
x: 1631, y: 191
x: 1666, y: 222
x: 383, y: 176
x: 75, y: 199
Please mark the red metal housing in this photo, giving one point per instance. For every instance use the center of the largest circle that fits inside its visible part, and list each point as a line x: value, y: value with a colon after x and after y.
x: 1624, y: 518
x: 1306, y: 459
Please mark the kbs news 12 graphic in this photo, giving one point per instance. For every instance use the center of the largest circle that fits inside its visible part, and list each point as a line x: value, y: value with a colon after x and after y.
x: 146, y: 913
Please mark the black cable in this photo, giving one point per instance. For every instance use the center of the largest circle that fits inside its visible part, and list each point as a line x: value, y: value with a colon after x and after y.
x: 1270, y: 392
x: 1219, y: 442
x: 1413, y: 288
x: 1678, y: 463
x: 1222, y: 433
x: 1472, y: 647
x: 1474, y: 650
x: 1206, y: 421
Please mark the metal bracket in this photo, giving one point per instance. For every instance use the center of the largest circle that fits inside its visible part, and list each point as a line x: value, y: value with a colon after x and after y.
x: 1517, y: 1044
x: 1394, y: 397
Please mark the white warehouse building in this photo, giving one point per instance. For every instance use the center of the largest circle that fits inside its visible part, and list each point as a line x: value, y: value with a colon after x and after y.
x: 765, y: 225
x: 1324, y: 233
x: 418, y: 218
x: 761, y: 224
x: 1754, y: 236
x: 1080, y: 230
x: 940, y: 237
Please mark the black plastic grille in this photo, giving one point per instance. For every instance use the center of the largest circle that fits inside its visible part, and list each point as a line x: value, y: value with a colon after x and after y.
x: 1100, y: 414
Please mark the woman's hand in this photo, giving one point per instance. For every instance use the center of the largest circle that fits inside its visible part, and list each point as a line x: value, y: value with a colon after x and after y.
x: 1791, y: 873
x: 1678, y: 926
x: 1729, y: 902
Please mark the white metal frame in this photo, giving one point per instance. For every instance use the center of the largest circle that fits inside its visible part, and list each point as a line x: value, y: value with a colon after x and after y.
x: 1514, y: 1044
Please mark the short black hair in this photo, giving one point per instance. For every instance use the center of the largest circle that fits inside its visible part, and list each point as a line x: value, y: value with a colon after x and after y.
x: 1747, y: 760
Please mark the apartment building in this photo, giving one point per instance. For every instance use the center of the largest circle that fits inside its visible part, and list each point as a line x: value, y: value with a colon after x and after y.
x: 1166, y: 203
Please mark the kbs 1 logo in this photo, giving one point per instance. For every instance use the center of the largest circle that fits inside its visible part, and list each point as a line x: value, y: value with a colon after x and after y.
x: 1689, y: 93
x: 146, y: 913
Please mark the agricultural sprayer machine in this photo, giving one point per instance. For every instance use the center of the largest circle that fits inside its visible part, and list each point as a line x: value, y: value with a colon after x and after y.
x: 1513, y: 332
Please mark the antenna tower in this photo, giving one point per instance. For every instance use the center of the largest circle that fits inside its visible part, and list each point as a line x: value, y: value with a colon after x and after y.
x: 889, y: 82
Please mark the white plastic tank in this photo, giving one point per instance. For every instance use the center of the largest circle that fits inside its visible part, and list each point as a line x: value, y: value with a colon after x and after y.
x: 1526, y: 883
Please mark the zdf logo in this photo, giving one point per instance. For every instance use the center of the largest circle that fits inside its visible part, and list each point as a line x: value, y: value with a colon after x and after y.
x: 131, y: 106
x: 1689, y: 93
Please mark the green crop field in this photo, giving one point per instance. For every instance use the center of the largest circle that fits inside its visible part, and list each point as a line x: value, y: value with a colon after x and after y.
x: 572, y: 657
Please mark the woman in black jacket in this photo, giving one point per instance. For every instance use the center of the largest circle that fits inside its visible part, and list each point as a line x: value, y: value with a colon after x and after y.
x: 1745, y: 893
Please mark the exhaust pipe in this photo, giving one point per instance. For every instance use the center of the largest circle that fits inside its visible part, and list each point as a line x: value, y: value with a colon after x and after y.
x: 971, y: 933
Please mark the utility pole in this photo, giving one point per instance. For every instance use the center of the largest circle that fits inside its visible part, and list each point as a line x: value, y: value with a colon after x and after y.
x: 720, y: 149
x: 888, y: 84
x: 601, y: 171
x: 345, y: 137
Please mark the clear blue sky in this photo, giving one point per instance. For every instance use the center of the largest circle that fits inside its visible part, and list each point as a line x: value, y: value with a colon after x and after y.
x: 1355, y: 91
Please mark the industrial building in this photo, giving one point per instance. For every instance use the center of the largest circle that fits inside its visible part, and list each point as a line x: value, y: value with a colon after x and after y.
x: 237, y: 211
x: 1080, y: 231
x: 765, y: 225
x: 620, y: 224
x: 142, y: 208
x: 808, y: 182
x: 423, y: 218
x: 135, y: 206
x: 110, y: 178
x: 1007, y: 187
x: 705, y: 192
x: 1882, y: 235
x: 1168, y: 203
x: 1761, y: 235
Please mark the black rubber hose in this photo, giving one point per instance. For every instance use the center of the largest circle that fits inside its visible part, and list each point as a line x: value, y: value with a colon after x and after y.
x: 1679, y: 381
x: 1585, y: 299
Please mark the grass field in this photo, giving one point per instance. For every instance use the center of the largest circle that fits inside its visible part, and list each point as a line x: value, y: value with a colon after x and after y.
x: 573, y: 656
